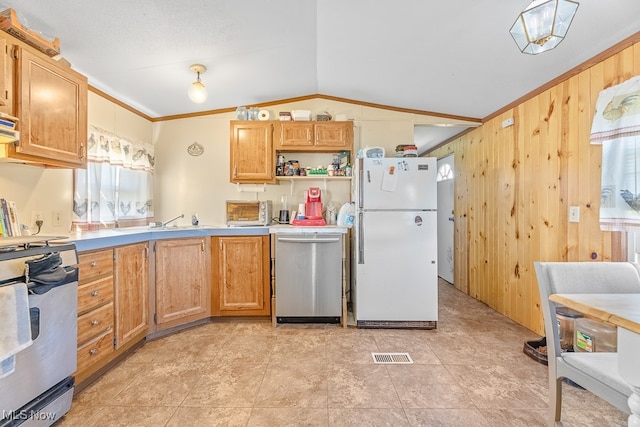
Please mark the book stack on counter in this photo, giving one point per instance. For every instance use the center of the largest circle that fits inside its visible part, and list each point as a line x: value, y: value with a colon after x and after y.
x: 9, y: 224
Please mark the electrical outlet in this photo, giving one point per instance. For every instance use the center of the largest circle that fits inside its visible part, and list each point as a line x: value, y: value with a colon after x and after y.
x: 36, y: 216
x: 56, y: 217
x: 574, y: 213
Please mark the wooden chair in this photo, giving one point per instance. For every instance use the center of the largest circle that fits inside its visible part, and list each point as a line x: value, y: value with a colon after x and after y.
x: 596, y: 372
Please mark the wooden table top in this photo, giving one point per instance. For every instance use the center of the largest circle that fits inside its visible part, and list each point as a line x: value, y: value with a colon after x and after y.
x: 622, y: 310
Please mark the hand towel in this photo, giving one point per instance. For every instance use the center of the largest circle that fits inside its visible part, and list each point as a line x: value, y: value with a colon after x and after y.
x: 616, y: 125
x: 7, y: 366
x: 15, y: 324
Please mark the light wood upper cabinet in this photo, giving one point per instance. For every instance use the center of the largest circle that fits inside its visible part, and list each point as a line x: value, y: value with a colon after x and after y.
x: 314, y: 136
x: 295, y: 134
x: 240, y: 267
x: 50, y: 101
x: 182, y: 281
x: 251, y: 152
x: 131, y: 292
x: 5, y: 82
x: 335, y: 135
x: 52, y: 108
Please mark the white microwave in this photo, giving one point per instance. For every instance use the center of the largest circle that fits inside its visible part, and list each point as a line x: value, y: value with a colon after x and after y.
x: 248, y: 212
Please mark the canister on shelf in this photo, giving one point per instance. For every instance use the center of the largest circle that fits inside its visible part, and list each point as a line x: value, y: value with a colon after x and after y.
x: 296, y: 167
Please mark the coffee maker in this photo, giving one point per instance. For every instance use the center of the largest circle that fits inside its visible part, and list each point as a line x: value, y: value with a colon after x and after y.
x: 313, y: 204
x: 312, y: 209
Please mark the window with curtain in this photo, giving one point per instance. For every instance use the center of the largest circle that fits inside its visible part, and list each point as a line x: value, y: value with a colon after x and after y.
x: 116, y: 188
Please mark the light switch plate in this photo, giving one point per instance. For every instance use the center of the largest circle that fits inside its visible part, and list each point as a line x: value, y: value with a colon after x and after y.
x: 508, y: 122
x: 574, y: 213
x: 56, y: 217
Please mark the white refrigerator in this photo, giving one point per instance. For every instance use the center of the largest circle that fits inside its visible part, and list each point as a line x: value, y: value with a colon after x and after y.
x: 395, y: 277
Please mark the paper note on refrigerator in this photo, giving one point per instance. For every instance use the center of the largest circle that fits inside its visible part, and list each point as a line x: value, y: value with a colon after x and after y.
x: 390, y: 179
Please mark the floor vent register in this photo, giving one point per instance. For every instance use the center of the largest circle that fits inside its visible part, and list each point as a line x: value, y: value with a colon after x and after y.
x: 392, y: 358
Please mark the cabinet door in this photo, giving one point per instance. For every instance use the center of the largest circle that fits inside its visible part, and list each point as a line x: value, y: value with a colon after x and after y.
x: 5, y: 79
x: 334, y: 134
x: 52, y: 108
x: 252, y: 156
x: 131, y: 292
x: 182, y: 287
x: 240, y: 266
x: 295, y: 135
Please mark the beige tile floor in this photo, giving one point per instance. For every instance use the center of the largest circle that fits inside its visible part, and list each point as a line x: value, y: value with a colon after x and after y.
x: 471, y: 371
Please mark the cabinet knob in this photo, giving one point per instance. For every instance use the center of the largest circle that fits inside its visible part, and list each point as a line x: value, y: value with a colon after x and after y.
x: 95, y: 322
x: 93, y: 351
x: 95, y: 293
x: 94, y: 263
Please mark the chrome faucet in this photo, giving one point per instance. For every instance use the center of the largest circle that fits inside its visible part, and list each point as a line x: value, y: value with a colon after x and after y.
x: 164, y: 224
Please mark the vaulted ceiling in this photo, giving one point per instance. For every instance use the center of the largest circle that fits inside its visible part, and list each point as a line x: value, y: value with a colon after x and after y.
x: 453, y: 57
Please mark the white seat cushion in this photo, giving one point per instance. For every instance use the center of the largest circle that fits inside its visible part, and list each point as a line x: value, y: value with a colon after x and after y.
x: 601, y: 366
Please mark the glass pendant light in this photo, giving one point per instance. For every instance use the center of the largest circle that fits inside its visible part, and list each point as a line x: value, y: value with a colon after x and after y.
x: 543, y: 25
x: 197, y: 91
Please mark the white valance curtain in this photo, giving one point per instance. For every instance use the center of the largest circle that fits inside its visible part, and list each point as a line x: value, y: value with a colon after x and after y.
x: 117, y: 184
x: 616, y: 125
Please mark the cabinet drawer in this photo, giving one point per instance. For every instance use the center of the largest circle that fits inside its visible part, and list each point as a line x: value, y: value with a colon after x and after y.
x: 94, y: 294
x: 95, y: 350
x: 95, y: 322
x: 95, y: 264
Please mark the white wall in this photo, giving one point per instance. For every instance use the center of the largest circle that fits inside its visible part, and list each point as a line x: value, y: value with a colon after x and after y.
x: 188, y: 184
x: 46, y: 190
x: 35, y: 188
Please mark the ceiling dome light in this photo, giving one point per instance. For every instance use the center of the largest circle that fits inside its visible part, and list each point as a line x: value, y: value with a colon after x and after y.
x: 197, y: 91
x: 543, y: 25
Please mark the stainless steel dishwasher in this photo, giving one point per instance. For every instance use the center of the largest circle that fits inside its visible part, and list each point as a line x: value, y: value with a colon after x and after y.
x: 308, y: 277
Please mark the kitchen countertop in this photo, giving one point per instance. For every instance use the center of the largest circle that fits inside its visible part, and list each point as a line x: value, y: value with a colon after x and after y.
x: 91, y: 240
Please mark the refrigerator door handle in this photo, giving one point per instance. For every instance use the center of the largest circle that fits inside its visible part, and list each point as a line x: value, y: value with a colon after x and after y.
x: 360, y: 238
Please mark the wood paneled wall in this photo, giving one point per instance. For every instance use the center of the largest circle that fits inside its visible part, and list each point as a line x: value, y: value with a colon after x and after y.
x: 514, y: 186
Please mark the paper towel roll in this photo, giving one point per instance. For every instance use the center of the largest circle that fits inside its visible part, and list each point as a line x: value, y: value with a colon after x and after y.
x: 264, y: 115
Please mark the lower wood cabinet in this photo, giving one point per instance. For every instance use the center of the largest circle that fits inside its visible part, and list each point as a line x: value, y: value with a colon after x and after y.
x: 241, y: 274
x: 113, y: 307
x: 182, y: 281
x: 131, y: 292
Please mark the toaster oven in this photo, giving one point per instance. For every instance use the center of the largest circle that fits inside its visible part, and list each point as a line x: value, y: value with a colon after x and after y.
x: 248, y: 212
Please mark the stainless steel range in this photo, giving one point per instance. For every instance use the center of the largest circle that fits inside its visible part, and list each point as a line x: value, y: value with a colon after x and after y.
x: 38, y: 388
